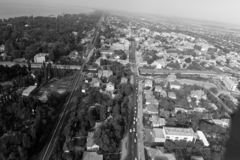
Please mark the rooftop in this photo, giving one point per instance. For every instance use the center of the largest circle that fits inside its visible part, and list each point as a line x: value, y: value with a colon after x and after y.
x: 158, y: 132
x: 41, y: 55
x: 92, y: 156
x: 179, y: 131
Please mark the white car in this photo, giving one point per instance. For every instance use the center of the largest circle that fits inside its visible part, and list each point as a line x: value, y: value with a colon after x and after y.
x: 135, y: 158
x: 136, y: 119
x: 130, y: 130
x: 133, y: 129
x: 135, y: 140
x: 133, y: 122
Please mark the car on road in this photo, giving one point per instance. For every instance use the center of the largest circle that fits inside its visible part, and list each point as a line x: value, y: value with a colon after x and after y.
x: 130, y: 130
x: 133, y: 129
x: 135, y: 158
x: 135, y: 140
x: 133, y: 122
x: 136, y: 119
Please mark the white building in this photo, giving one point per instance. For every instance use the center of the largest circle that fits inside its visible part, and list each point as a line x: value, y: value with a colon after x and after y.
x: 230, y: 85
x: 40, y: 58
x: 28, y: 91
x: 173, y: 133
x: 202, y: 137
x: 2, y: 48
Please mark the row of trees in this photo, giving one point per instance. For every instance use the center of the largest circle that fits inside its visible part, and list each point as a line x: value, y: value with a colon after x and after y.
x: 56, y: 36
x: 226, y: 99
x: 26, y: 123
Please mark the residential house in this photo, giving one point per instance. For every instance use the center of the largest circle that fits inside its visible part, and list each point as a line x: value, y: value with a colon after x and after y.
x: 158, y: 88
x: 202, y: 137
x: 175, y: 85
x: 148, y: 83
x: 160, y: 63
x: 110, y: 87
x: 2, y: 48
x: 221, y: 122
x: 95, y: 82
x: 157, y: 121
x: 196, y: 158
x: 104, y: 53
x: 124, y: 80
x: 158, y: 135
x: 163, y: 93
x: 152, y: 109
x: 104, y: 73
x: 28, y: 91
x: 174, y: 133
x: 230, y: 85
x: 200, y: 109
x: 171, y: 78
x: 74, y: 55
x: 157, y: 154
x: 91, y: 156
x: 158, y: 80
x: 198, y: 94
x: 172, y: 95
x: 182, y: 110
x: 152, y: 101
x: 40, y: 58
x: 91, y: 146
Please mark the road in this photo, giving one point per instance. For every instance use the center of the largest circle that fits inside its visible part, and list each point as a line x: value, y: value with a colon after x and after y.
x: 133, y: 151
x: 68, y: 106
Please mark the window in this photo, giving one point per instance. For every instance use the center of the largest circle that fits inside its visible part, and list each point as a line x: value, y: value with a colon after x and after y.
x: 168, y: 137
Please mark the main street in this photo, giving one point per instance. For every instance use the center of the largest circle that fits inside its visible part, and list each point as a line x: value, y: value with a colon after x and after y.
x: 133, y: 118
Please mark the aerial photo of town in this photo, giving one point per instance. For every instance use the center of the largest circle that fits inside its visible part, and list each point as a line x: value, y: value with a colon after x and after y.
x: 112, y: 85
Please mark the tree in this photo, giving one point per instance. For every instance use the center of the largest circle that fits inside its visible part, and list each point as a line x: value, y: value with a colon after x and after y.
x: 188, y: 60
x: 214, y: 90
x: 169, y: 146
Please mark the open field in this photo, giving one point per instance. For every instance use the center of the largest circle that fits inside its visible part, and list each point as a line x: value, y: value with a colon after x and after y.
x: 199, y: 83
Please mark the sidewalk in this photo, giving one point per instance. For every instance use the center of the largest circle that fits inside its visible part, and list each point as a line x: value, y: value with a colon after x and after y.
x: 141, y: 155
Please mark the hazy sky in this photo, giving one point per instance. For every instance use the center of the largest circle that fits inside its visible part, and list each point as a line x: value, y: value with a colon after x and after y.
x: 215, y: 10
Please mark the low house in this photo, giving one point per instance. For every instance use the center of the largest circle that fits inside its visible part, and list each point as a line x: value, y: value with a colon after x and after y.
x: 40, y: 58
x: 110, y: 87
x: 158, y: 80
x: 104, y: 73
x: 158, y: 88
x: 152, y: 101
x: 124, y: 80
x: 95, y: 82
x: 199, y: 109
x: 91, y: 146
x: 152, y: 109
x: 91, y: 156
x: 202, y: 137
x: 148, y: 83
x: 174, y: 133
x: 171, y: 78
x: 158, y: 135
x: 175, y: 85
x: 2, y: 48
x: 182, y: 110
x: 196, y: 158
x: 198, y: 94
x: 107, y: 73
x: 28, y: 91
x: 157, y: 121
x: 221, y: 122
x: 157, y: 154
x: 172, y: 95
x: 73, y: 54
x: 163, y: 93
x: 230, y: 84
